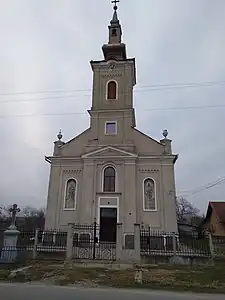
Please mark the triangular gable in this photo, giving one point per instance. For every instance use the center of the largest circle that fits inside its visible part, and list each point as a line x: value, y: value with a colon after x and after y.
x: 219, y: 210
x: 109, y: 151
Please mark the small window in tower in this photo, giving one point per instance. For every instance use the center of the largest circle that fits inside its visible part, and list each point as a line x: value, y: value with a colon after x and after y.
x: 111, y: 90
x: 114, y: 33
x: 111, y: 128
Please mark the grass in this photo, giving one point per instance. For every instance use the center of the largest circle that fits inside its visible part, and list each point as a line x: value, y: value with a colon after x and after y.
x: 4, y: 273
x: 183, y: 278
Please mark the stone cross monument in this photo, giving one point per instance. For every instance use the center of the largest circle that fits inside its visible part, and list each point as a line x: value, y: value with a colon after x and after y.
x: 14, y: 210
x: 9, y: 251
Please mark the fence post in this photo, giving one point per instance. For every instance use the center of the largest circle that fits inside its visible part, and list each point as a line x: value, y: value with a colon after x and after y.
x: 119, y: 241
x: 137, y: 242
x: 95, y: 239
x: 174, y: 244
x: 34, y: 254
x: 211, y: 247
x: 69, y: 244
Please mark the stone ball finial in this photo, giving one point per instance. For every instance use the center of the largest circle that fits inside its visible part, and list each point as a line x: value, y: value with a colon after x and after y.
x: 59, y: 136
x: 165, y: 133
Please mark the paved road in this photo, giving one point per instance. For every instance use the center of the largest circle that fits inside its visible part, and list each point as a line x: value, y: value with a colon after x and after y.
x: 37, y: 292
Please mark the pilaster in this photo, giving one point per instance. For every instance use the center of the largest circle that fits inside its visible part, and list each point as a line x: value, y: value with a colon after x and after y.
x: 129, y: 205
x: 88, y: 198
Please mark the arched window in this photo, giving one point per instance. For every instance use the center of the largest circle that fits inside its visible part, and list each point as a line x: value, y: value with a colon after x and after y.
x: 109, y: 180
x: 149, y: 194
x: 114, y: 33
x: 111, y: 90
x: 70, y: 194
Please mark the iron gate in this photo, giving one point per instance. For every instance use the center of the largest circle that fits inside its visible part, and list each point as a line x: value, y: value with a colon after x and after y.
x: 88, y: 245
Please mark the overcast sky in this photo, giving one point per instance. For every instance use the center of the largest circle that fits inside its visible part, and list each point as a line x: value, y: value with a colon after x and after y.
x: 47, y: 45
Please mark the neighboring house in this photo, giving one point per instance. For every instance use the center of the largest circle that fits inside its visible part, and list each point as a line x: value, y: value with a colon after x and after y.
x: 185, y: 228
x: 112, y: 172
x: 215, y: 219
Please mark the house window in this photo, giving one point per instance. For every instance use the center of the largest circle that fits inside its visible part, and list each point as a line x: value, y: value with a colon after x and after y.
x: 149, y: 194
x: 111, y: 90
x: 70, y: 195
x: 109, y: 180
x: 111, y: 128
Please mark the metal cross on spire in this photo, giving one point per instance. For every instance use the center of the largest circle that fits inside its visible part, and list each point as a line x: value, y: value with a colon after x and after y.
x: 115, y: 3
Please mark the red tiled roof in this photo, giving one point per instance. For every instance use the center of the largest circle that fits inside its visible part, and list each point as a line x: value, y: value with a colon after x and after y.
x: 219, y: 209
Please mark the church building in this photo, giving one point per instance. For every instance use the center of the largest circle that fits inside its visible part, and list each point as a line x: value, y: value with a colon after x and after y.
x: 112, y: 173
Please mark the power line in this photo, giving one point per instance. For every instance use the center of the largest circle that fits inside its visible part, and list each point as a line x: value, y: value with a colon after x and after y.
x: 208, y: 187
x: 144, y: 110
x: 186, y: 107
x: 180, y: 86
x: 45, y: 92
x: 205, y: 187
x: 88, y: 95
x: 42, y: 98
x: 187, y: 84
x: 140, y: 89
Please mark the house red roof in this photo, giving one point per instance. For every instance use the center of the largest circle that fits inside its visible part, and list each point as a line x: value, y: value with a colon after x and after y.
x: 219, y: 209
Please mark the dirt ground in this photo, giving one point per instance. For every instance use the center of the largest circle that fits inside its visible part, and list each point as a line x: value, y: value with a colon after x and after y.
x: 181, y: 278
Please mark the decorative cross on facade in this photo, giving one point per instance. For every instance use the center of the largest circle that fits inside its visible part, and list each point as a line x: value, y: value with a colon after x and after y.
x: 14, y: 210
x: 115, y: 2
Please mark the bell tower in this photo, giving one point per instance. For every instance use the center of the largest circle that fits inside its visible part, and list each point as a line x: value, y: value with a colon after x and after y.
x: 113, y: 80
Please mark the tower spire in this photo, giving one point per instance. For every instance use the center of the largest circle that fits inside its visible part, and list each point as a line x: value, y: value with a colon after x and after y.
x: 115, y: 31
x: 115, y: 17
x: 115, y: 49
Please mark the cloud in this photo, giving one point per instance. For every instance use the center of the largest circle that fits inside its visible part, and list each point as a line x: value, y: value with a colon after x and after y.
x: 47, y: 45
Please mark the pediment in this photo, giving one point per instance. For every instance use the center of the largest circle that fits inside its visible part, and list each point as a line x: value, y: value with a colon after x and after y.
x: 109, y: 152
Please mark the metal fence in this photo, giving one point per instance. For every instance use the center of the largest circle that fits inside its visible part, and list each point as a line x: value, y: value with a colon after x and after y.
x: 26, y: 239
x: 48, y: 244
x: 88, y: 245
x: 53, y: 244
x: 52, y: 238
x: 165, y: 243
x: 86, y: 242
x: 156, y: 243
x: 192, y: 244
x: 219, y: 246
x: 1, y: 238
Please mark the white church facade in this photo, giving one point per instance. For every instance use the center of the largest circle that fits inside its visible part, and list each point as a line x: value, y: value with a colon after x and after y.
x: 112, y: 173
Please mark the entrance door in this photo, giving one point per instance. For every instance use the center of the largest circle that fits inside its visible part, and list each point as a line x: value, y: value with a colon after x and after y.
x: 108, y: 221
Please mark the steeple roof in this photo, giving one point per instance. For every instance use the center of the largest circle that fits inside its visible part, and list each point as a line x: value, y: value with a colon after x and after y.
x: 115, y: 17
x: 115, y: 49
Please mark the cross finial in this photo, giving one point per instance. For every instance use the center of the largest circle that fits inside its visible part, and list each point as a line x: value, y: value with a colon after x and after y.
x: 115, y: 4
x: 14, y: 210
x: 165, y: 133
x: 59, y: 136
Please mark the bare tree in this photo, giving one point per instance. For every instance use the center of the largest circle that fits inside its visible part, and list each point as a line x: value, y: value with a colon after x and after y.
x: 4, y: 217
x: 33, y: 218
x: 185, y: 210
x: 4, y: 212
x: 30, y: 212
